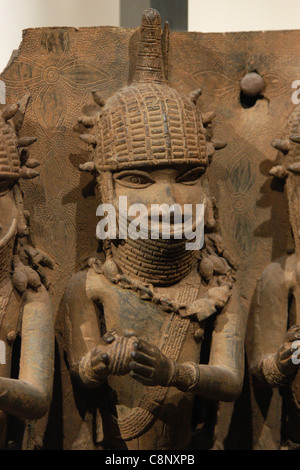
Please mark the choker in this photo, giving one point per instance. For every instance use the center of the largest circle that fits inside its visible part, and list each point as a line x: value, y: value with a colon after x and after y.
x: 159, y: 262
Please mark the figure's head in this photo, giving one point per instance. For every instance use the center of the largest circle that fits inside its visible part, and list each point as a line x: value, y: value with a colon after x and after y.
x: 14, y: 162
x: 150, y: 141
x: 13, y: 166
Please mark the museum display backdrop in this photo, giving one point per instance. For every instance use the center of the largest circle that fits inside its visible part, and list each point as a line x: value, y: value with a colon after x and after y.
x: 60, y: 68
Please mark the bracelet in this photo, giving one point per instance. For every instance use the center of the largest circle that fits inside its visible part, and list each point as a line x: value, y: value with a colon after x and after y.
x: 186, y: 376
x: 86, y: 373
x: 272, y: 374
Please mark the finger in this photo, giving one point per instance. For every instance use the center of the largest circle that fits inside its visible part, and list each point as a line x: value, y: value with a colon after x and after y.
x: 142, y: 370
x: 47, y: 262
x: 145, y: 347
x: 98, y: 358
x: 294, y: 327
x: 105, y: 358
x: 108, y: 337
x: 99, y: 368
x: 140, y: 378
x: 101, y: 365
x: 294, y: 344
x: 292, y: 334
x: 287, y: 353
x: 142, y: 358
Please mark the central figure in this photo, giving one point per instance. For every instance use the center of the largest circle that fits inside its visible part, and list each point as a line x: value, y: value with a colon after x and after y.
x: 153, y: 323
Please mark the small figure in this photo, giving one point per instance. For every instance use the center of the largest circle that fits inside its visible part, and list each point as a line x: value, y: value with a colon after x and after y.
x: 274, y: 332
x: 25, y: 305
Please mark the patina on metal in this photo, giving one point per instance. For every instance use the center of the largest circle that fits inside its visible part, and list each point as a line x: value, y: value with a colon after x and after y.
x: 25, y: 305
x: 274, y: 321
x: 134, y: 322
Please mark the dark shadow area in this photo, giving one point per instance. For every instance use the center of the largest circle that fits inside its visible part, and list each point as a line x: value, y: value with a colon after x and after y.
x: 249, y: 101
x: 240, y: 431
x: 15, y: 427
x: 273, y: 195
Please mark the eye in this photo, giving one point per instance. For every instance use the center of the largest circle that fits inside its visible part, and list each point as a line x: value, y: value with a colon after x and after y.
x: 134, y: 179
x: 190, y: 177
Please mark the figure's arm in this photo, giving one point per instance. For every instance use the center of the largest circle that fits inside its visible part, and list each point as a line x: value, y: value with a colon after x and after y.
x: 92, y: 357
x: 30, y: 395
x: 82, y: 333
x: 221, y: 379
x: 269, y: 346
x: 281, y: 367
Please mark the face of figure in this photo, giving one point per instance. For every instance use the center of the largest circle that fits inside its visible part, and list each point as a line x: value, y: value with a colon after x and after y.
x: 181, y: 185
x: 178, y: 185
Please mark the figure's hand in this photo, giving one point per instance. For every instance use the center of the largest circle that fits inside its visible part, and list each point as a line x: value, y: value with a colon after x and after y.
x: 100, y: 358
x: 149, y: 365
x: 286, y: 354
x: 112, y: 355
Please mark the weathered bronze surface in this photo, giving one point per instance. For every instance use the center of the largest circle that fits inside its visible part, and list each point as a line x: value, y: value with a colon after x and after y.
x: 134, y: 323
x: 25, y: 306
x: 271, y: 347
x: 61, y: 67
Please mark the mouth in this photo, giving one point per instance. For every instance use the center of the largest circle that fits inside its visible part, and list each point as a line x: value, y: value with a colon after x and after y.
x: 158, y: 227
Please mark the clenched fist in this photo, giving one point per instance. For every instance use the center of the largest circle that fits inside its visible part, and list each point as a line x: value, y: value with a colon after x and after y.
x: 111, y: 356
x: 149, y: 365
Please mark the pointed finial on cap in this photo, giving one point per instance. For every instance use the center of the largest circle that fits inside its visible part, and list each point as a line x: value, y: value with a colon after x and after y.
x: 9, y: 111
x: 97, y: 97
x: 149, y: 66
x: 294, y: 168
x: 25, y: 141
x: 89, y: 139
x: 87, y: 166
x: 281, y: 144
x: 279, y: 171
x: 208, y: 117
x: 295, y: 138
x: 19, y: 116
x: 194, y: 95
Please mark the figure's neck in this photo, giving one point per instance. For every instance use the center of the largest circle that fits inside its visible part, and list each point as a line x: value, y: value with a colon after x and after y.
x: 158, y: 262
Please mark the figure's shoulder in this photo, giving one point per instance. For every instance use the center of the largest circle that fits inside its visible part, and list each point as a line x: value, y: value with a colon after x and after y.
x: 90, y: 284
x: 76, y: 288
x: 77, y: 282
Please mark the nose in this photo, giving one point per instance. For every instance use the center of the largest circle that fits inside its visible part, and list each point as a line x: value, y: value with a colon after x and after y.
x: 164, y: 194
x: 164, y: 197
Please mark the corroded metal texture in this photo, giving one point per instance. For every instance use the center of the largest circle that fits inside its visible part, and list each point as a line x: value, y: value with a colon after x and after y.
x: 149, y: 360
x: 61, y: 67
x: 25, y: 305
x: 117, y: 146
x: 274, y: 320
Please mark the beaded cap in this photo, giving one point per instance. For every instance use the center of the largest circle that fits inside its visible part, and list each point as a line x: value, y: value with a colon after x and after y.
x: 14, y: 163
x: 148, y: 122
